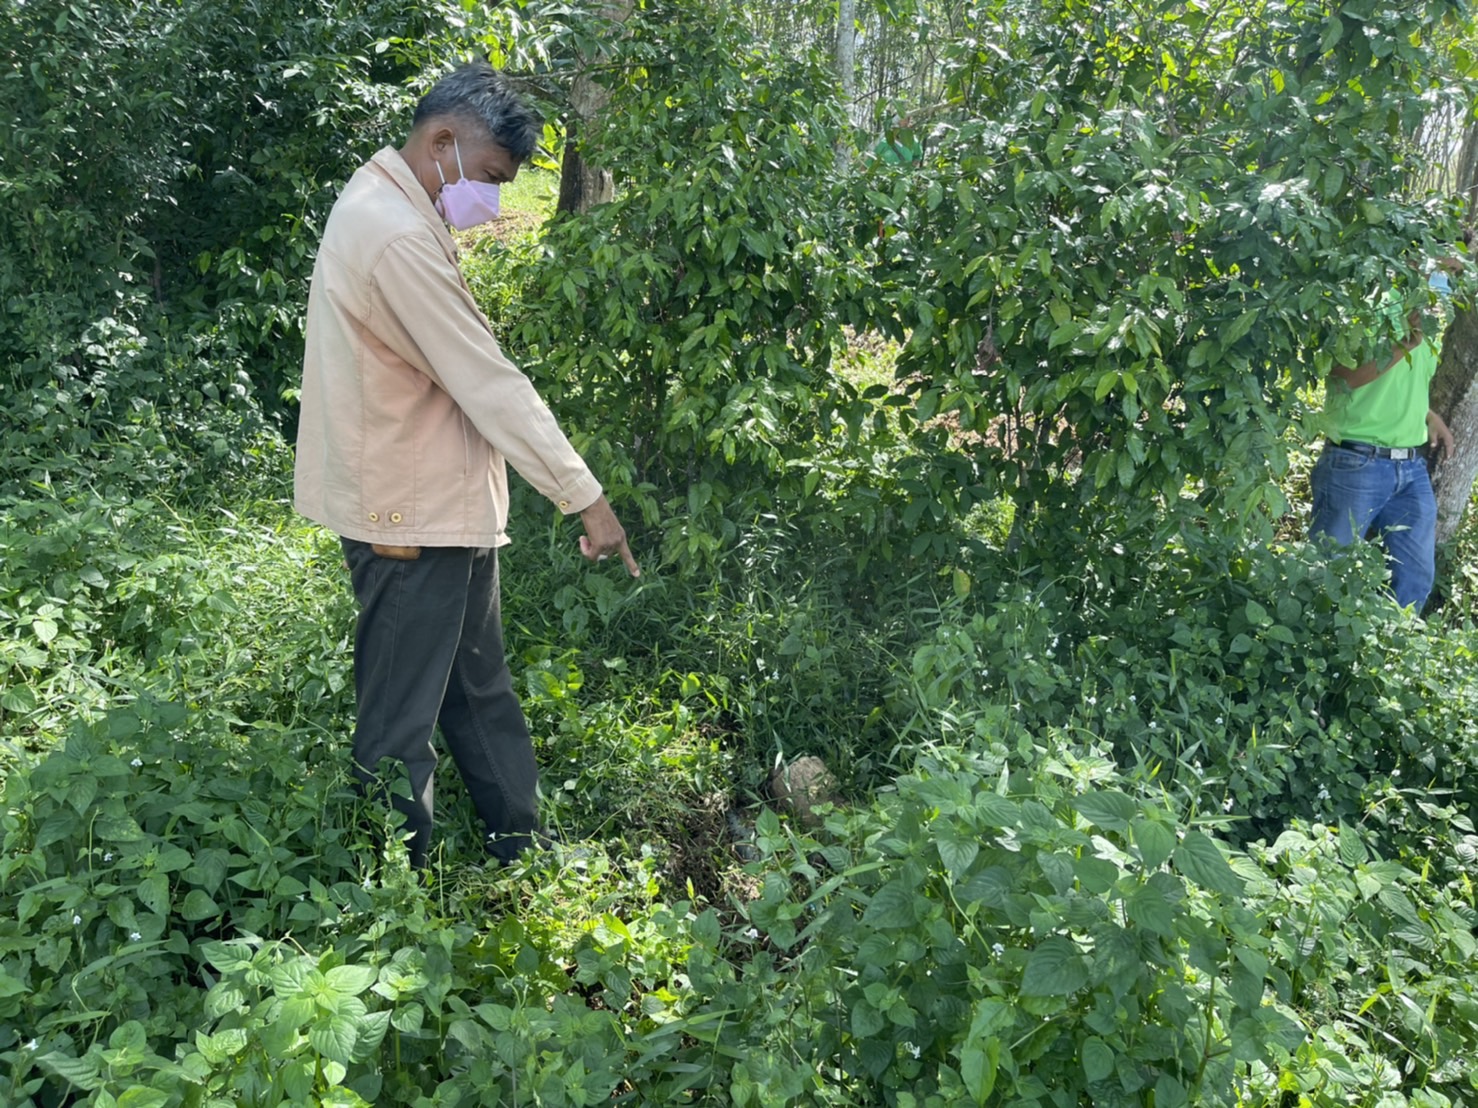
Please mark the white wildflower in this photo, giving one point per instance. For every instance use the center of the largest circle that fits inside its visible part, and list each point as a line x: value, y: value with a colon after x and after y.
x: 1226, y: 805
x: 752, y: 933
x: 136, y: 763
x: 76, y: 920
x: 108, y: 857
x: 998, y: 949
x: 915, y: 1051
x: 1219, y: 721
x: 134, y: 936
x: 1154, y: 726
x: 31, y: 1045
x: 1092, y: 700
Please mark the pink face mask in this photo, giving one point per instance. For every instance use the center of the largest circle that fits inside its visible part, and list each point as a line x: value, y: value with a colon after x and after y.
x: 465, y: 203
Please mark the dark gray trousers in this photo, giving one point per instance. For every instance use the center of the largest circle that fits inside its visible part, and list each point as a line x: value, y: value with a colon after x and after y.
x: 428, y: 650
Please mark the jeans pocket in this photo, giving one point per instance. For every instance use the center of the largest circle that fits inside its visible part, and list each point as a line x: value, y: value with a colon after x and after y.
x: 1347, y: 461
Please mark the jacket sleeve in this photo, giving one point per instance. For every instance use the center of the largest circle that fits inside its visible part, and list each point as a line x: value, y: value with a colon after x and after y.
x: 421, y: 308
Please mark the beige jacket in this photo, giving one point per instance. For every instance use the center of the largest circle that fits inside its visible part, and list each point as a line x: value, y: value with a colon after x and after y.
x: 409, y: 407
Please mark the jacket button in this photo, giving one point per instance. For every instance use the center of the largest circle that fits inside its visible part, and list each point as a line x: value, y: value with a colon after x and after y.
x: 564, y: 503
x: 395, y: 517
x: 374, y: 517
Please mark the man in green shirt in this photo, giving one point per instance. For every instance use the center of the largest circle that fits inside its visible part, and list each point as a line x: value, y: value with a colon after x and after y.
x: 1372, y: 476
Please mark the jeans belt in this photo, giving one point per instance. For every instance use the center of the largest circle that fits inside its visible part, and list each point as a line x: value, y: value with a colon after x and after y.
x: 1395, y: 453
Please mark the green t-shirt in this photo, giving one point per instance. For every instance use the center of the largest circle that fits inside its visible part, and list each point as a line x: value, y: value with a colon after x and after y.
x: 1392, y: 409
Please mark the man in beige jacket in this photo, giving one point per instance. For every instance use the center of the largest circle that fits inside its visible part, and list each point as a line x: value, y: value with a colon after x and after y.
x: 409, y: 411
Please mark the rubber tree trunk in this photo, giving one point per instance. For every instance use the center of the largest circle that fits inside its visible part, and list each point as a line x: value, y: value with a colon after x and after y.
x: 582, y: 185
x: 845, y: 58
x: 1455, y: 399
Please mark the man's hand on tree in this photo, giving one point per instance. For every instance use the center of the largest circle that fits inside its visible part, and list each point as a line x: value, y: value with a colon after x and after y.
x: 1439, y: 437
x: 605, y: 536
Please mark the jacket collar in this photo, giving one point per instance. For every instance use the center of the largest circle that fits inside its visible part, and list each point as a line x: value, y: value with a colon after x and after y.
x: 390, y: 163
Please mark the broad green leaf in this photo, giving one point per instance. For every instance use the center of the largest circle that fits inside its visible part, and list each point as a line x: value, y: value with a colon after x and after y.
x: 1109, y: 809
x: 1200, y: 859
x: 351, y: 980
x: 198, y: 905
x: 894, y: 905
x: 153, y: 893
x: 297, y: 1081
x: 866, y: 1020
x: 995, y: 810
x: 141, y: 1096
x: 19, y: 699
x: 82, y: 1072
x: 334, y: 1036
x: 1054, y: 968
x: 1238, y: 327
x: 979, y: 1062
x: 957, y: 854
x: 1148, y: 908
x: 1098, y: 1059
x: 1155, y: 841
x: 408, y: 1018
x: 1352, y: 849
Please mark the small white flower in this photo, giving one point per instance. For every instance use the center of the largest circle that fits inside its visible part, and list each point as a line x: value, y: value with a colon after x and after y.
x: 752, y: 933
x: 136, y: 763
x: 365, y: 884
x: 1395, y: 773
x: 76, y: 921
x: 1226, y: 805
x: 1133, y: 699
x: 1092, y: 700
x: 1323, y: 793
x: 134, y: 936
x: 31, y: 1045
x: 1154, y: 726
x: 998, y: 949
x: 1219, y: 721
x: 108, y: 857
x: 915, y: 1051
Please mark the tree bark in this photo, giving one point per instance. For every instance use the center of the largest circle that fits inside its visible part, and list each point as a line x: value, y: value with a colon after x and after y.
x: 845, y: 58
x: 1455, y: 399
x: 1455, y: 388
x: 846, y: 48
x: 582, y: 185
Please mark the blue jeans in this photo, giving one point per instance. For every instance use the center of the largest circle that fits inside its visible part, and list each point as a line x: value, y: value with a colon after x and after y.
x: 1356, y: 494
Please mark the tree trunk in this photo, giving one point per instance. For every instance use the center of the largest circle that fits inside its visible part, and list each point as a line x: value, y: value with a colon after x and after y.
x: 582, y: 185
x: 846, y: 63
x: 846, y: 48
x: 1455, y: 399
x: 1455, y: 388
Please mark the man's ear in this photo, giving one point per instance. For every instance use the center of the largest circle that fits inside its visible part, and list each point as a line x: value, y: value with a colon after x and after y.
x: 439, y: 138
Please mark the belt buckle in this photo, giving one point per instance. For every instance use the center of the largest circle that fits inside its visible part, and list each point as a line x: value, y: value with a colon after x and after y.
x: 1403, y: 453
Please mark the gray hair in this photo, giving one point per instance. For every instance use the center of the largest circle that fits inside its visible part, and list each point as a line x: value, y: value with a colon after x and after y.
x: 478, y: 94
